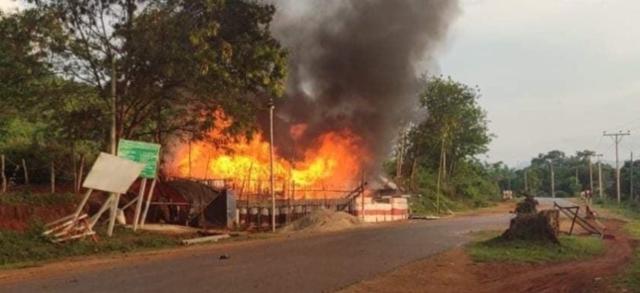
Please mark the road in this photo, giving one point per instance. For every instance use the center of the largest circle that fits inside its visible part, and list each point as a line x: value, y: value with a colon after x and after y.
x: 318, y: 263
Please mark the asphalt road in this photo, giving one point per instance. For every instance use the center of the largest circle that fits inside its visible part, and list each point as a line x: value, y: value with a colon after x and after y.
x: 319, y: 263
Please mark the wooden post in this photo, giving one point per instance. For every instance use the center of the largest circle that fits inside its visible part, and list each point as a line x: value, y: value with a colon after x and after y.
x: 149, y: 198
x: 80, y: 173
x: 2, y: 175
x: 189, y: 157
x: 26, y: 172
x: 140, y: 198
x: 103, y: 208
x: 362, y: 207
x: 53, y: 177
x: 75, y: 171
x: 113, y: 214
x: 76, y: 214
x: 573, y: 222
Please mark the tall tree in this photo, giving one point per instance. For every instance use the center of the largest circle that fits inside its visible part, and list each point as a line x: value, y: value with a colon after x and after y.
x: 455, y: 126
x: 175, y: 62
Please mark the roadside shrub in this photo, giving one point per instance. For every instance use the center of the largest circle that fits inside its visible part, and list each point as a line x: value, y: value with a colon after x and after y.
x: 37, y: 199
x: 31, y: 246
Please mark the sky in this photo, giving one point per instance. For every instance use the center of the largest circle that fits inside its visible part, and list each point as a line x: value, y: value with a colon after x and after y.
x: 554, y: 74
x: 6, y: 5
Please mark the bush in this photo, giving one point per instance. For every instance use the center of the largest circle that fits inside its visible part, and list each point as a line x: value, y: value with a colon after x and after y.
x: 39, y: 199
x: 30, y: 246
x: 469, y: 187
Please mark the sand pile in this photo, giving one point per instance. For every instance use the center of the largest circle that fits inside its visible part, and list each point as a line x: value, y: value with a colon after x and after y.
x: 323, y: 220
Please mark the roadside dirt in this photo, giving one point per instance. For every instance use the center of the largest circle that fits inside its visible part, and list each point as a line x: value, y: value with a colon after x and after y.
x: 20, y: 217
x: 454, y: 271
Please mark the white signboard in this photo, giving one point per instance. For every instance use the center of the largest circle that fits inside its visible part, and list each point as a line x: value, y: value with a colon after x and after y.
x: 112, y: 174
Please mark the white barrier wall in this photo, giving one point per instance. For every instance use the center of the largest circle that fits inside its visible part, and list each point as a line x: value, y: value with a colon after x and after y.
x: 391, y: 209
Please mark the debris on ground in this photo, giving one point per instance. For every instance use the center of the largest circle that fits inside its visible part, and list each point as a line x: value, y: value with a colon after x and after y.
x: 169, y: 229
x: 198, y: 240
x: 423, y: 217
x: 323, y: 220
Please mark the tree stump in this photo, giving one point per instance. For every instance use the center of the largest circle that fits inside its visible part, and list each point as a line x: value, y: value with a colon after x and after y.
x: 543, y: 226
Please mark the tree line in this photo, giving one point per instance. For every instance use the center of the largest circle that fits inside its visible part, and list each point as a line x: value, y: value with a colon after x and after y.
x: 574, y: 174
x: 158, y: 68
x: 436, y: 158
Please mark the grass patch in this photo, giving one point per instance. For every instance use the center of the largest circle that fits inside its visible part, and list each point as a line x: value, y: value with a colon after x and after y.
x: 498, y: 250
x: 630, y: 211
x: 37, y: 199
x: 27, y: 248
x: 631, y: 278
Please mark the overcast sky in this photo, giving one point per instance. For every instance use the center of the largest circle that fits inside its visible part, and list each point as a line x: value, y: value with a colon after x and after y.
x: 553, y: 73
x: 8, y: 5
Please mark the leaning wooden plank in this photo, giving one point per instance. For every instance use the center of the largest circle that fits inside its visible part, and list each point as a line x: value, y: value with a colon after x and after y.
x: 105, y: 206
x: 138, y: 210
x: 126, y: 206
x: 71, y: 237
x: 67, y: 225
x: 149, y: 197
x: 59, y: 220
x: 56, y: 228
x: 82, y: 203
x: 205, y: 239
x: 74, y: 221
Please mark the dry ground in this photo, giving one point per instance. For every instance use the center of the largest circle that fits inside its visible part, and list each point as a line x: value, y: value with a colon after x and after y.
x: 454, y: 271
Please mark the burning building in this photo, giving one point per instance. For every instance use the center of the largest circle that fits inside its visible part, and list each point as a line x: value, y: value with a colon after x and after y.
x: 354, y: 76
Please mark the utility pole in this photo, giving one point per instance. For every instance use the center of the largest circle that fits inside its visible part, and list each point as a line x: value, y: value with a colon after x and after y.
x: 590, y: 175
x: 553, y: 183
x: 526, y: 181
x: 600, y: 176
x: 113, y: 107
x: 631, y: 178
x: 273, y: 194
x: 617, y: 137
x: 114, y: 143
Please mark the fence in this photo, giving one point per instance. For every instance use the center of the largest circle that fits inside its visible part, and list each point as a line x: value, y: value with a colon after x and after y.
x: 14, y: 173
x: 259, y: 190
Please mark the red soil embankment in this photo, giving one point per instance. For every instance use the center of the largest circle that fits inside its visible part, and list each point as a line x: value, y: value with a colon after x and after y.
x: 20, y: 217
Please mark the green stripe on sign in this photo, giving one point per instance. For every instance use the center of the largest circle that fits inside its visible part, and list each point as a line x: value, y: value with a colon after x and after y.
x: 141, y: 152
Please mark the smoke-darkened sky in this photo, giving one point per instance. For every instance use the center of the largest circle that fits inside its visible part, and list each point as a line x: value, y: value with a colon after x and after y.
x: 355, y: 64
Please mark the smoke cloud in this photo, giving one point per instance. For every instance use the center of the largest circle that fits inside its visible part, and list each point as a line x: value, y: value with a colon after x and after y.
x: 353, y: 64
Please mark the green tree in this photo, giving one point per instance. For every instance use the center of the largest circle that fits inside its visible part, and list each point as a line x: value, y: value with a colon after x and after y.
x: 455, y: 126
x: 175, y: 62
x: 453, y: 132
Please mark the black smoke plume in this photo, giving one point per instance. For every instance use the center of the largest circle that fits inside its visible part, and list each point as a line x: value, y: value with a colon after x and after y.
x: 354, y: 64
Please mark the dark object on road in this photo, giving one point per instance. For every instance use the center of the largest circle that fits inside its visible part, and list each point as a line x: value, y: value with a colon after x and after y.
x: 543, y: 226
x: 224, y: 256
x: 527, y: 206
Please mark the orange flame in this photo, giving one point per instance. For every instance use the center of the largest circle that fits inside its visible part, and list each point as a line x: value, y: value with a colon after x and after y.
x: 334, y: 162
